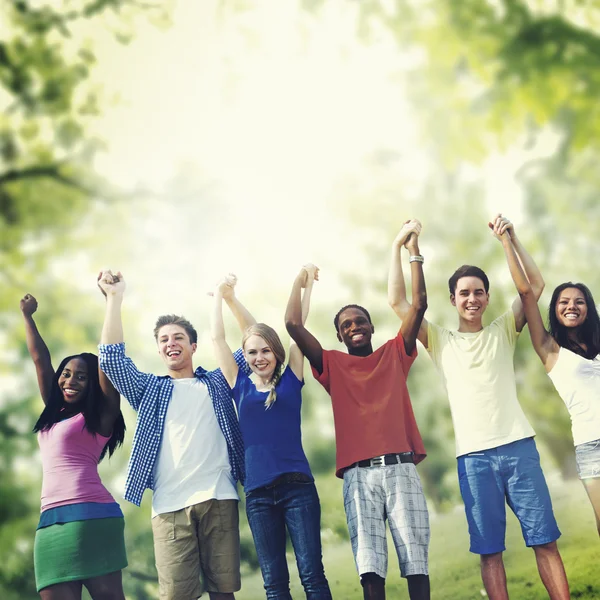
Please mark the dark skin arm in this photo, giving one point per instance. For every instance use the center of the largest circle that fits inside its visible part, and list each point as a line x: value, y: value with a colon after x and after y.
x: 306, y: 341
x: 37, y: 347
x: 414, y: 316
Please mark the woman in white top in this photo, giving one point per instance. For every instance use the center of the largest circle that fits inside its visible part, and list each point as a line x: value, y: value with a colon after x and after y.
x: 570, y: 352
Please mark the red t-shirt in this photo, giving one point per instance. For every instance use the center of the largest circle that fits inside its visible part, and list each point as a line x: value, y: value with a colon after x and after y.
x: 371, y: 406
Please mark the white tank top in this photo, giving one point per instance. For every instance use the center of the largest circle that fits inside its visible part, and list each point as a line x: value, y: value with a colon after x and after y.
x: 577, y: 381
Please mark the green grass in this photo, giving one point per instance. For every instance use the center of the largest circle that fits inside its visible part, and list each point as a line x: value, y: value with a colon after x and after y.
x: 454, y: 570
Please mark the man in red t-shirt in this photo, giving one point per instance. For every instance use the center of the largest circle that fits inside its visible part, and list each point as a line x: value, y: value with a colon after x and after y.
x: 377, y: 439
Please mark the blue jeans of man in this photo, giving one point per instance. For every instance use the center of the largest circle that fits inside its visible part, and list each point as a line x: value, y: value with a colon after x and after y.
x: 295, y: 506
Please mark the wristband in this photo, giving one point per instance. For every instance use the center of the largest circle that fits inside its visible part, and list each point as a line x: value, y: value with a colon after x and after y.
x: 416, y: 258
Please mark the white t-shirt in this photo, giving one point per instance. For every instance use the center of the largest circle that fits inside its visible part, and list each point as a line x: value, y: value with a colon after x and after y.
x: 192, y: 465
x: 577, y: 380
x: 478, y: 373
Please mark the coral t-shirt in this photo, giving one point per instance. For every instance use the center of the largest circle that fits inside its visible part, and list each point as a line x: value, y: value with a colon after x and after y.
x: 371, y: 406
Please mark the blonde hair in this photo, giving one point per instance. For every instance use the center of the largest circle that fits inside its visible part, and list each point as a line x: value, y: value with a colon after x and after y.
x: 272, y: 339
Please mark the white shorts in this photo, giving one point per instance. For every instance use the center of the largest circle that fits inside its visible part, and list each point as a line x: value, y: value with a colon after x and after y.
x: 393, y: 492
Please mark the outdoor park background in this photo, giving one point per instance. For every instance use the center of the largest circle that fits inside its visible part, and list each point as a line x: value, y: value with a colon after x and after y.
x: 176, y: 141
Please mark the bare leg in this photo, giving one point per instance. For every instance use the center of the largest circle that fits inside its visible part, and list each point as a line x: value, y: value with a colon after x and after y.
x: 592, y: 487
x: 220, y: 596
x: 418, y: 587
x: 106, y: 587
x: 494, y: 576
x: 373, y: 586
x: 70, y: 590
x: 552, y: 571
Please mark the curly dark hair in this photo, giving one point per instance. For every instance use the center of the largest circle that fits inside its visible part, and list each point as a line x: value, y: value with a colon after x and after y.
x: 336, y: 320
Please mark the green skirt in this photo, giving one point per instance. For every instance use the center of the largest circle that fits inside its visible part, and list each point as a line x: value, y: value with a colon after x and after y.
x: 78, y: 550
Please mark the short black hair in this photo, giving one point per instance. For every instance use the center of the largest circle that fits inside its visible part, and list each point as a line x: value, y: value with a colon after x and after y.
x: 336, y: 320
x: 176, y: 320
x: 468, y: 271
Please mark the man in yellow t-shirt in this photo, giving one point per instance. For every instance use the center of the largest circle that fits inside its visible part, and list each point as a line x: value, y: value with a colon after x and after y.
x: 497, y: 458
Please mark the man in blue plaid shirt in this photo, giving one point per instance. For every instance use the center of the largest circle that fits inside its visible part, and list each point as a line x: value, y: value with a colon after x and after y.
x: 187, y: 448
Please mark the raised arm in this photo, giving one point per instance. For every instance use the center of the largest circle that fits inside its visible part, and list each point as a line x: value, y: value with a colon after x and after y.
x: 222, y: 350
x: 242, y: 315
x: 113, y: 287
x: 296, y: 357
x: 37, y: 347
x: 501, y: 224
x: 410, y: 314
x: 543, y: 343
x: 295, y: 316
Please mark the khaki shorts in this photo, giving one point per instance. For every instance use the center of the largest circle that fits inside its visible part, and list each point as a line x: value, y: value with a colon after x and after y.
x: 202, y: 540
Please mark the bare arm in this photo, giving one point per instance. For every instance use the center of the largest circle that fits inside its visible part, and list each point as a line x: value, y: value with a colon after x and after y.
x: 543, y: 343
x: 411, y: 324
x: 294, y: 323
x: 112, y: 287
x: 397, y: 287
x: 296, y: 357
x: 222, y: 350
x: 501, y: 224
x: 37, y: 348
x: 242, y: 315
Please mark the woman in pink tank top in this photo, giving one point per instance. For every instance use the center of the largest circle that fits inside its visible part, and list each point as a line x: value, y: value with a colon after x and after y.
x: 80, y: 537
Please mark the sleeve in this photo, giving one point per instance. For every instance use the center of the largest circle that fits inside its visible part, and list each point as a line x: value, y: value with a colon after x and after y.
x: 323, y: 378
x: 407, y: 360
x: 128, y: 380
x: 436, y: 337
x: 290, y: 377
x: 506, y: 324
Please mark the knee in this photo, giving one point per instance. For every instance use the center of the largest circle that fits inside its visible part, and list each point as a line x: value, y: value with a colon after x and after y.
x: 372, y: 580
x: 491, y: 559
x: 549, y: 548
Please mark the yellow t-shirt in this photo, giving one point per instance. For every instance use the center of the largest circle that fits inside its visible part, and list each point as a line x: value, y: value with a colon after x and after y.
x: 478, y: 374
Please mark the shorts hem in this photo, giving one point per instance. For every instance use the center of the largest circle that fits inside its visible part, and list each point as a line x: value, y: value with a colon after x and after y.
x: 415, y: 571
x: 373, y: 569
x: 487, y: 550
x: 584, y: 477
x: 71, y: 578
x: 548, y: 540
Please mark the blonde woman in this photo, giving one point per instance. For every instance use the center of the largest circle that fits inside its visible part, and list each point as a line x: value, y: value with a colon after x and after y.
x: 280, y: 489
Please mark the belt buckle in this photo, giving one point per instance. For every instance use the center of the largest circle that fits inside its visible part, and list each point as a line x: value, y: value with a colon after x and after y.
x: 378, y: 461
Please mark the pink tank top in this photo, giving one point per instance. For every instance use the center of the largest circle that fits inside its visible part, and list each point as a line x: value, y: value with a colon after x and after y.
x: 70, y: 464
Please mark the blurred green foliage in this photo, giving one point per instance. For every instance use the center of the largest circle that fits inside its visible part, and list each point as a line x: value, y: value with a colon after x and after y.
x: 483, y: 76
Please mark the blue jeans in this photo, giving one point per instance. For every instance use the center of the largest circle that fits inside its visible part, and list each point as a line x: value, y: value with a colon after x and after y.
x: 295, y: 506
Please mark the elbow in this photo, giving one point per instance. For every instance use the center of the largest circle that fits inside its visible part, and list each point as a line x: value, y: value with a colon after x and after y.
x: 293, y: 325
x: 420, y: 302
x: 527, y: 293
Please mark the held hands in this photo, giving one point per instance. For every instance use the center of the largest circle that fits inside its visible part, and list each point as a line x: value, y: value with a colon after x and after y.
x: 500, y: 225
x: 225, y: 287
x: 308, y: 273
x: 408, y: 234
x: 111, y: 284
x: 28, y: 305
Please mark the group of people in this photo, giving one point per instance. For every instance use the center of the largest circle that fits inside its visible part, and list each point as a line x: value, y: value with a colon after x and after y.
x: 199, y: 432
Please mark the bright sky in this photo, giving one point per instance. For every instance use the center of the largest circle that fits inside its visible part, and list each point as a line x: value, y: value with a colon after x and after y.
x: 267, y: 112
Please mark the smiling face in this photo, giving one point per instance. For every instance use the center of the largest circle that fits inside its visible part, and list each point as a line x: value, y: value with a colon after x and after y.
x: 571, y: 307
x: 355, y: 331
x: 471, y: 300
x: 260, y: 357
x: 73, y: 381
x: 175, y: 349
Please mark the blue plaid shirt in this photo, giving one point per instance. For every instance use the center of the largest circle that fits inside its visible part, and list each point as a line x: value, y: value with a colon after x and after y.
x: 149, y: 395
